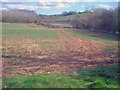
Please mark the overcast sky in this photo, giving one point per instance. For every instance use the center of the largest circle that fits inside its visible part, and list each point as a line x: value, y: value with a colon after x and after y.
x: 50, y: 7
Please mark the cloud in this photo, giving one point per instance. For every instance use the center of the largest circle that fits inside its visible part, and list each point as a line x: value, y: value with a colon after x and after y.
x: 61, y: 5
x: 69, y: 1
x: 18, y: 0
x: 3, y: 8
x: 83, y: 6
x: 105, y: 6
x: 39, y: 6
x: 43, y: 7
x: 87, y: 0
x: 28, y: 7
x: 52, y: 5
x: 73, y: 4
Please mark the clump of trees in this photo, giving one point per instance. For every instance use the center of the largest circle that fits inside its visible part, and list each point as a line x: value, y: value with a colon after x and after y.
x: 101, y: 19
x: 20, y: 16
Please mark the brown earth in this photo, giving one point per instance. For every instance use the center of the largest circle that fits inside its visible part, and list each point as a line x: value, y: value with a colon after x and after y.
x: 77, y: 53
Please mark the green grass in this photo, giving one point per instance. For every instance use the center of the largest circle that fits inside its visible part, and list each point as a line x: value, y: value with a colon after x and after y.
x: 90, y: 35
x: 12, y: 25
x: 31, y: 34
x: 32, y: 26
x: 105, y: 77
x: 110, y: 51
x: 28, y: 33
x: 114, y: 43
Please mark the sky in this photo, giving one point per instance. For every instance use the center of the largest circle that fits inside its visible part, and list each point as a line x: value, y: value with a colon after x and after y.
x: 50, y: 7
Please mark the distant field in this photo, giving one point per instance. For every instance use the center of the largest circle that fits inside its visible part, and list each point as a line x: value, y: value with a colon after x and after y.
x: 41, y: 57
x: 65, y: 18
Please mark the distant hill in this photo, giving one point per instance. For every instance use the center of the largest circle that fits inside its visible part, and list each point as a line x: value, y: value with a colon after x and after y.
x: 62, y: 18
x: 70, y: 17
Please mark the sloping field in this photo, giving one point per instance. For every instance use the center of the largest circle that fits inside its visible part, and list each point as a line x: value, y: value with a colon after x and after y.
x: 66, y: 18
x: 32, y: 49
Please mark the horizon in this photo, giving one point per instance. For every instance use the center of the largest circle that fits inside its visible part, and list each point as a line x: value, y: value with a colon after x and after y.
x: 53, y: 8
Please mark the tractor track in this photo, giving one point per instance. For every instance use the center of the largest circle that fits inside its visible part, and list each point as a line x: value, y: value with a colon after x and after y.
x: 64, y: 41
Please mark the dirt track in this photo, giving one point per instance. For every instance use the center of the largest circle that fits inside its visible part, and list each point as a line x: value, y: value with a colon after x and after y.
x: 78, y: 54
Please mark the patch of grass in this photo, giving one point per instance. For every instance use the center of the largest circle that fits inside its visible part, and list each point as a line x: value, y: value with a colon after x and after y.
x: 40, y: 33
x: 64, y: 34
x: 12, y: 25
x: 114, y: 43
x: 42, y: 81
x: 106, y: 77
x: 31, y: 34
x: 110, y: 51
x: 87, y: 78
x: 89, y: 35
x: 32, y: 26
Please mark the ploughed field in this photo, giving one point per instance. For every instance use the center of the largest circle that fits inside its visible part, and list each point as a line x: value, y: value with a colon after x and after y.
x: 27, y: 48
x: 32, y: 49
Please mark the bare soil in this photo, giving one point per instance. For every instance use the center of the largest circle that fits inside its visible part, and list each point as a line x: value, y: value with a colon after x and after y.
x: 77, y: 53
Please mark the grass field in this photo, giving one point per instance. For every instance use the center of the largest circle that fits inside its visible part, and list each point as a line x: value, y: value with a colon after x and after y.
x: 65, y: 18
x: 40, y: 57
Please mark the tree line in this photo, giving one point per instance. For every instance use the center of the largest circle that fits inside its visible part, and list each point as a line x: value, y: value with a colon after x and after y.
x: 20, y: 16
x: 100, y: 20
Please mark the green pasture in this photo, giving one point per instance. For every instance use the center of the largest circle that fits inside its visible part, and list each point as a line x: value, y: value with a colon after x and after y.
x: 105, y: 77
x: 65, y: 18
